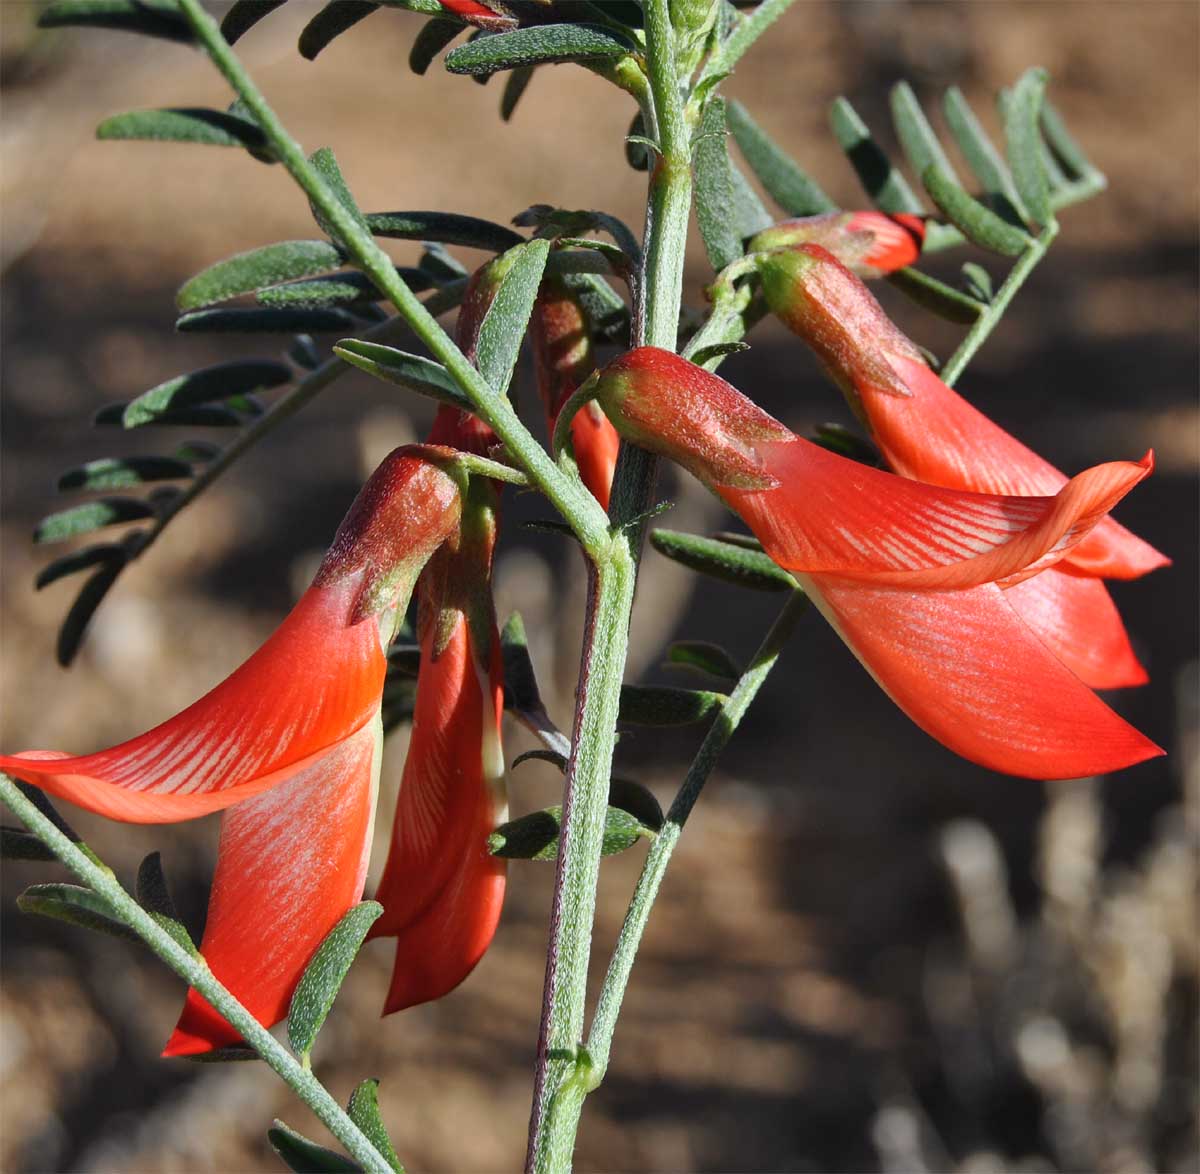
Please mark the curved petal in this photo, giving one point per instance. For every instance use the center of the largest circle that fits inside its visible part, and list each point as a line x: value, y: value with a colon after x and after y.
x: 290, y: 863
x: 314, y: 682
x: 965, y: 668
x: 1075, y: 617
x: 935, y: 436
x: 596, y: 444
x: 830, y: 515
x: 896, y: 239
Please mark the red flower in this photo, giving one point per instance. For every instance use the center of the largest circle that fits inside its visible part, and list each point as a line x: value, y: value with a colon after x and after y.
x: 869, y: 243
x: 562, y: 348
x: 929, y: 432
x: 441, y: 890
x: 492, y: 17
x: 289, y: 744
x: 908, y: 574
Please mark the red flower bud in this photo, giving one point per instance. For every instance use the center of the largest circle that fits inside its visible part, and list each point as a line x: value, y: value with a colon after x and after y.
x: 869, y: 243
x: 563, y: 359
x: 493, y: 17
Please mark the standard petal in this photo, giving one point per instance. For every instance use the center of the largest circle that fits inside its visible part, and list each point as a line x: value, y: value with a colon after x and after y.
x: 969, y: 672
x: 315, y: 681
x: 830, y: 515
x: 934, y: 435
x: 1075, y: 617
x: 290, y: 863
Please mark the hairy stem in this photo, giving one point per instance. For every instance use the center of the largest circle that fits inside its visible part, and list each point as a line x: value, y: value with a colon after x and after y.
x: 585, y: 799
x: 194, y: 970
x: 990, y: 318
x: 575, y: 504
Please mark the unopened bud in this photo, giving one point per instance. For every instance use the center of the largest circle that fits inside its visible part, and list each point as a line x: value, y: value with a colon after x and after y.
x: 870, y: 244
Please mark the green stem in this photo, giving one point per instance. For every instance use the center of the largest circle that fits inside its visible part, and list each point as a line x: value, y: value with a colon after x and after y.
x: 604, y: 1022
x: 575, y: 504
x: 585, y: 800
x: 194, y: 970
x: 990, y: 318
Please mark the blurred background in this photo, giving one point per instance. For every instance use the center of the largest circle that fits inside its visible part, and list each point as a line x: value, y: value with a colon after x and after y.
x: 868, y: 955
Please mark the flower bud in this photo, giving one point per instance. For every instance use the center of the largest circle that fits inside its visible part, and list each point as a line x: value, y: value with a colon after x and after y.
x: 493, y: 17
x: 665, y: 404
x: 870, y: 244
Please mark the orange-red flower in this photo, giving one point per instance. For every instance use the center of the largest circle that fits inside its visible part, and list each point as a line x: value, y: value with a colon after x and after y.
x: 441, y: 890
x: 909, y: 574
x: 869, y: 243
x: 493, y: 17
x: 929, y: 432
x: 287, y: 747
x: 563, y: 359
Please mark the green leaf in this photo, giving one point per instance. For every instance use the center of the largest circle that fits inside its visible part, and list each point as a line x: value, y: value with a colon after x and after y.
x: 90, y: 596
x: 978, y: 224
x: 334, y: 19
x: 326, y: 165
x: 18, y: 844
x: 153, y: 896
x: 936, y: 296
x: 41, y: 801
x: 921, y: 145
x: 637, y: 800
x: 304, y: 1156
x: 440, y: 264
x: 184, y: 125
x: 521, y: 695
x: 786, y: 182
x: 535, y: 836
x: 418, y: 374
x: 514, y: 89
x: 882, y: 181
x: 323, y: 977
x: 750, y: 215
x: 151, y: 18
x: 550, y: 756
x: 253, y: 270
x: 722, y: 560
x: 637, y: 154
x: 565, y: 224
x: 364, y: 1112
x: 715, y: 350
x: 714, y: 188
x: 606, y: 311
x: 706, y: 657
x: 123, y: 473
x: 266, y: 321
x: 76, y: 905
x: 1064, y: 146
x: 80, y: 560
x: 83, y: 519
x: 981, y: 156
x: 978, y: 281
x: 244, y: 15
x: 537, y: 45
x: 448, y: 228
x: 434, y: 36
x: 220, y: 382
x: 1023, y: 138
x: 233, y: 1054
x: 662, y: 705
x: 504, y: 325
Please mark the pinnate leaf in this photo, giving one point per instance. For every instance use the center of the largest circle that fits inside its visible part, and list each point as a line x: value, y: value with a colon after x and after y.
x: 882, y: 181
x: 324, y: 162
x: 1023, y: 137
x: 292, y: 320
x: 334, y: 19
x: 256, y: 269
x: 921, y: 145
x: 123, y: 472
x: 414, y: 372
x: 151, y: 18
x: 430, y: 41
x: 788, y: 184
x: 536, y: 45
x: 244, y: 15
x: 503, y: 327
x: 706, y: 657
x: 978, y: 224
x: 75, y: 905
x: 364, y: 1112
x: 91, y: 595
x: 981, y: 155
x: 220, y: 382
x: 514, y: 89
x: 449, y: 228
x: 936, y: 296
x: 714, y: 188
x: 300, y: 1154
x: 662, y: 705
x: 535, y: 836
x: 92, y: 515
x: 722, y: 560
x: 322, y: 978
x: 184, y: 125
x: 18, y: 844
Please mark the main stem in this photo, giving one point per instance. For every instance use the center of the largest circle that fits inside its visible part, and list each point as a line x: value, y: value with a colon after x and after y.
x: 192, y: 968
x: 563, y: 1074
